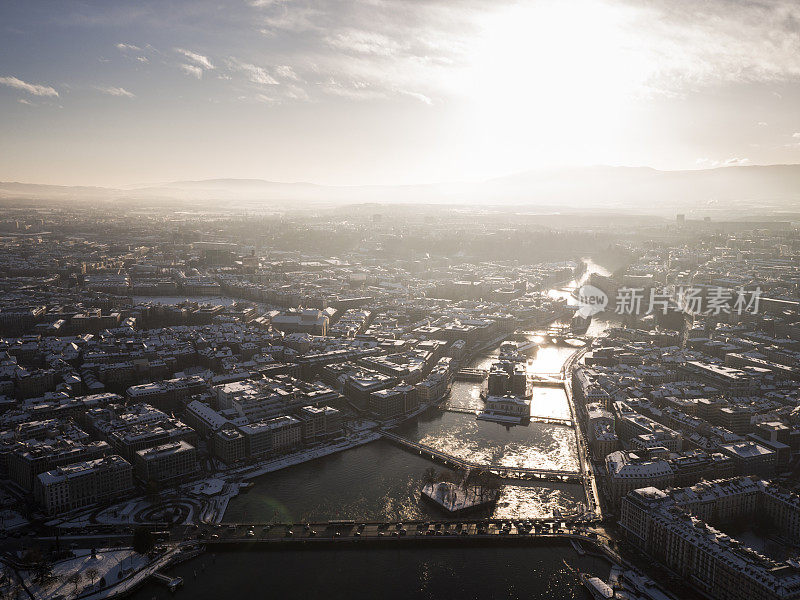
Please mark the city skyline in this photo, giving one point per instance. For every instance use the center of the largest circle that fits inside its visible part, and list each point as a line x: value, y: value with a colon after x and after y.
x: 350, y: 93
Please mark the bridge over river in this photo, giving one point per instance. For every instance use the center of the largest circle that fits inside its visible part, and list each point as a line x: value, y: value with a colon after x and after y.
x: 258, y: 536
x: 504, y: 471
x: 533, y: 418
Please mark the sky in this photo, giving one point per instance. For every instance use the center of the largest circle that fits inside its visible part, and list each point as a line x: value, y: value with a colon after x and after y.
x: 351, y: 92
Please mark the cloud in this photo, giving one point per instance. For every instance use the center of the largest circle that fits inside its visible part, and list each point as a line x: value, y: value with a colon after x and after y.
x: 354, y: 90
x: 263, y: 3
x: 667, y: 47
x: 729, y: 162
x: 796, y: 134
x: 762, y: 123
x: 192, y: 70
x: 374, y: 49
x: 737, y: 162
x: 286, y: 72
x: 266, y: 99
x: 718, y: 41
x: 31, y: 88
x: 125, y: 47
x: 26, y: 102
x: 253, y: 73
x: 417, y: 96
x: 198, y: 59
x: 364, y: 42
x: 115, y: 91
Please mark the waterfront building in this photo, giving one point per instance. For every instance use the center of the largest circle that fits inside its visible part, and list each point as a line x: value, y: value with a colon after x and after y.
x: 601, y: 433
x: 320, y: 422
x: 228, y: 444
x: 436, y: 384
x: 392, y: 402
x: 359, y: 385
x: 670, y: 527
x: 32, y: 457
x: 628, y: 471
x: 166, y: 464
x: 257, y: 438
x: 82, y: 484
x: 287, y: 433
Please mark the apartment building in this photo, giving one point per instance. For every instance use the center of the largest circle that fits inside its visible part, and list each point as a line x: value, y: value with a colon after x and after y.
x: 76, y: 485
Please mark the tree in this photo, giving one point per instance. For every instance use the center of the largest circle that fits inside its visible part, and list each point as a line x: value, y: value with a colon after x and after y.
x: 143, y: 540
x: 92, y: 573
x: 429, y: 476
x: 43, y: 571
x: 444, y: 476
x: 494, y: 483
x: 74, y: 579
x: 479, y: 479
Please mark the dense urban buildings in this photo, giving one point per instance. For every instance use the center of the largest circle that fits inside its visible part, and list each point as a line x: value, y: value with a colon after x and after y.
x: 147, y: 373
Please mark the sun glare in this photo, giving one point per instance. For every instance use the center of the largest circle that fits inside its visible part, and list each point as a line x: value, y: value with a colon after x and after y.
x: 554, y: 81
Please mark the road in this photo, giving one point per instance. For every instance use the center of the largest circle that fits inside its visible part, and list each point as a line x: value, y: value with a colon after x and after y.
x: 418, y: 530
x: 589, y: 481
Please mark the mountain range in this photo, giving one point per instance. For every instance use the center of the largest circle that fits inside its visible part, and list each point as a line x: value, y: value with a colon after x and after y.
x: 744, y: 190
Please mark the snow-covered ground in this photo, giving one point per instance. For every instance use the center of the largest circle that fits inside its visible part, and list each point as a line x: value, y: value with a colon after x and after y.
x: 11, y: 519
x: 305, y: 455
x: 105, y: 569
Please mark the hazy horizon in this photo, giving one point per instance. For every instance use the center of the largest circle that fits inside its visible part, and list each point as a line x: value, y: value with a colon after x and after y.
x: 133, y: 185
x: 374, y: 93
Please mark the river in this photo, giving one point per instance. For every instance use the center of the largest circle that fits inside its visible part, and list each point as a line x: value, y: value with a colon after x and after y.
x: 402, y: 574
x: 380, y: 481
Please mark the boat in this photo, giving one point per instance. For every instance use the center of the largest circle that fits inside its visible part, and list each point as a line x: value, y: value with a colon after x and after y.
x: 640, y: 585
x: 578, y: 548
x: 598, y: 588
x: 624, y: 584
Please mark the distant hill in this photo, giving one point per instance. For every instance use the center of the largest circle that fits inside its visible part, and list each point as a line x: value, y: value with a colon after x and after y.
x: 776, y: 187
x: 730, y: 190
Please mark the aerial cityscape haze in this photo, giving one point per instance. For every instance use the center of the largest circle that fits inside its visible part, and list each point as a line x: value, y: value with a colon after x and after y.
x: 431, y: 299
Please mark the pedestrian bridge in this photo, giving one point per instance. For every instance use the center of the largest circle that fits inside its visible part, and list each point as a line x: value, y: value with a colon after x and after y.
x: 471, y: 375
x: 533, y: 418
x: 504, y: 471
x: 547, y: 379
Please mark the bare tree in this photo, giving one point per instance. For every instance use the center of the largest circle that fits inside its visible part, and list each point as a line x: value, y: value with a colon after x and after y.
x: 74, y: 579
x: 429, y: 476
x: 92, y: 573
x: 444, y: 476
